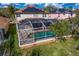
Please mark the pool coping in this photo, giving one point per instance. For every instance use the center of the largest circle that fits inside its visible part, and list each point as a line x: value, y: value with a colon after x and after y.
x: 41, y: 42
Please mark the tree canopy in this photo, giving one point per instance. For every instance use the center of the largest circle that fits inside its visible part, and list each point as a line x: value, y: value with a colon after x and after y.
x: 61, y: 28
x: 50, y: 8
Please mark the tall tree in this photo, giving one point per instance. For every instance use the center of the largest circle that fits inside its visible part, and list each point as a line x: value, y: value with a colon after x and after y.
x: 8, y: 12
x: 75, y: 24
x: 11, y: 10
x: 50, y: 8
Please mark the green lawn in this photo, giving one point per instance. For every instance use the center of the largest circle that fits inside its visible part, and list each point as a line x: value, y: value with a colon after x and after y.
x: 67, y: 48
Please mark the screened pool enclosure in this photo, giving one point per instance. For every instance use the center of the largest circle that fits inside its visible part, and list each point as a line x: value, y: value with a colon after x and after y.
x: 33, y: 30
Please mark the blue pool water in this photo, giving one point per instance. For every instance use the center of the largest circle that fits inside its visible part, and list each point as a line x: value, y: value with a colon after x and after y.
x: 41, y: 35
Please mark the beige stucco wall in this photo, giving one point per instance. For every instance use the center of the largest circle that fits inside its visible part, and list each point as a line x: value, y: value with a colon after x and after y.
x: 48, y: 16
x: 23, y: 16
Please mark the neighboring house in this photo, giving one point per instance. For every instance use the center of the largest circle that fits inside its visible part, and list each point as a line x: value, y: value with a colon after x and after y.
x: 4, y: 25
x: 61, y: 14
x: 33, y: 12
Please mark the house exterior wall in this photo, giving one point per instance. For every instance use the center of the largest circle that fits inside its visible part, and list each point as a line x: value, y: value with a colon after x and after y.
x: 61, y: 16
x: 23, y: 16
x: 52, y: 16
x: 48, y: 16
x: 73, y: 15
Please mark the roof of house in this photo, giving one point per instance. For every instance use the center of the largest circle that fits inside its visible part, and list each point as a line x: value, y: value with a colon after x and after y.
x: 31, y: 10
x: 4, y: 22
x: 34, y: 10
x: 62, y: 10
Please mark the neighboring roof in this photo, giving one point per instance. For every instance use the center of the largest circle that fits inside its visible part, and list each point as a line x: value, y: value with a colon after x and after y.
x: 65, y: 11
x: 4, y: 22
x: 62, y: 10
x: 31, y: 10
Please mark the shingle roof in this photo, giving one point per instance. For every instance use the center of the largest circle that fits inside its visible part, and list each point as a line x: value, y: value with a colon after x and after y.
x: 62, y: 10
x: 31, y: 10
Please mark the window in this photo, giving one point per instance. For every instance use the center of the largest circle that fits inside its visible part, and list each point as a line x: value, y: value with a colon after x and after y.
x: 71, y: 14
x: 64, y: 13
x: 44, y: 15
x: 59, y: 15
x: 18, y: 15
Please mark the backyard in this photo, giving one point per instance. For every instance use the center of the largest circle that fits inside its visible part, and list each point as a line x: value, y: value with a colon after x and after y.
x: 68, y: 47
x: 61, y: 47
x: 58, y: 48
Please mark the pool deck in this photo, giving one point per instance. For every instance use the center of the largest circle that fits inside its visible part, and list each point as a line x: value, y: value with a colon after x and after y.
x: 42, y: 42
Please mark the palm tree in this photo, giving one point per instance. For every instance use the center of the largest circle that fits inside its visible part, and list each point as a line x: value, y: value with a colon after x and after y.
x: 8, y: 12
x: 11, y: 10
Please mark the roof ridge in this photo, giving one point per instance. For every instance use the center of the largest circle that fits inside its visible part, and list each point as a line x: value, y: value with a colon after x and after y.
x: 30, y: 6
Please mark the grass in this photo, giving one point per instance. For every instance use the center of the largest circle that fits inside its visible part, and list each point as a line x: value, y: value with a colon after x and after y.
x: 67, y: 48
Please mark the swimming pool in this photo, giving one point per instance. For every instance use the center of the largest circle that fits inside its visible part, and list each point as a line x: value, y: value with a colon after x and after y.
x: 41, y: 35
x: 32, y: 30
